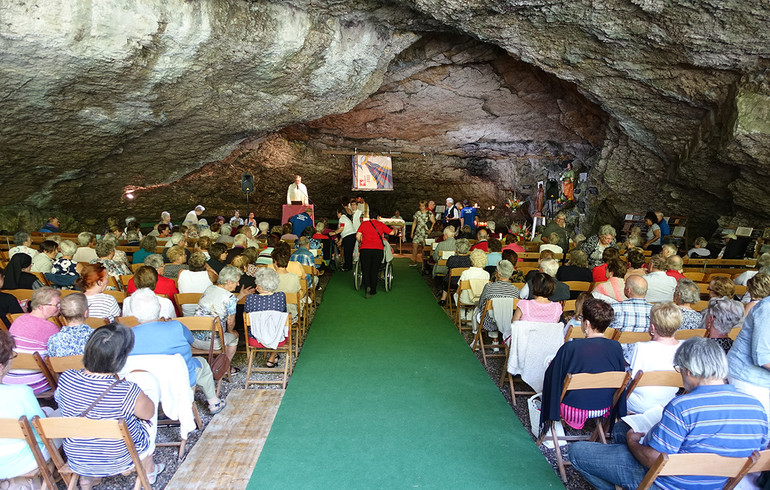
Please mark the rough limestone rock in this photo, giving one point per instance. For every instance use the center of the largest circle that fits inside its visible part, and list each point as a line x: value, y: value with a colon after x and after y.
x: 664, y: 103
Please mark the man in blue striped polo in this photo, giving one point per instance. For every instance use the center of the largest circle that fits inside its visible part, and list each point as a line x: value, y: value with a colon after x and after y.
x: 710, y: 417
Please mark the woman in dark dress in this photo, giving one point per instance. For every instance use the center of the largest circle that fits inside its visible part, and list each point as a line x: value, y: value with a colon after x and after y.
x: 17, y: 275
x: 8, y: 303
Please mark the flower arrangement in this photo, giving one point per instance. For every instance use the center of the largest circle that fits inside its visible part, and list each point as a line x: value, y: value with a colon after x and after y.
x: 514, y: 203
x: 521, y: 231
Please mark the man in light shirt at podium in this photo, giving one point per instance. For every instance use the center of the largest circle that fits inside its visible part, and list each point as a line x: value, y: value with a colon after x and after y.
x: 297, y: 193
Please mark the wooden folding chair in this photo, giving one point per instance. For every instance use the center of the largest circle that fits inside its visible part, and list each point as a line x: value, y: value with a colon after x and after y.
x: 124, y: 280
x: 581, y: 286
x: 478, y: 339
x: 119, y: 296
x: 713, y: 275
x: 34, y: 363
x: 695, y: 276
x: 454, y: 272
x: 684, y: 334
x: 20, y: 294
x: 577, y: 333
x: 128, y: 321
x: 41, y: 277
x: 740, y: 291
x: 297, y: 322
x: 655, y: 378
x: 206, y: 324
x: 80, y: 427
x: 93, y: 322
x: 584, y: 381
x: 134, y: 267
x: 57, y: 365
x: 734, y: 333
x: 21, y: 429
x: 700, y: 464
x: 252, y: 351
x: 700, y: 306
x: 187, y: 299
x: 463, y: 307
x: 703, y: 288
x: 309, y: 269
x: 632, y: 337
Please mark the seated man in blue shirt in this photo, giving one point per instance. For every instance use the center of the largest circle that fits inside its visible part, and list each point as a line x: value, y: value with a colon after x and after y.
x: 304, y: 256
x: 172, y: 337
x: 710, y: 417
x: 301, y: 221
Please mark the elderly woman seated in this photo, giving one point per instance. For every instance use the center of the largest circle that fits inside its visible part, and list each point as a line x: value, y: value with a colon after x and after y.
x: 477, y: 277
x: 540, y: 308
x: 266, y: 299
x: 721, y: 287
x: 219, y: 301
x: 460, y: 259
x: 721, y: 316
x: 611, y: 290
x: 655, y: 355
x: 8, y: 303
x: 699, y: 250
x: 31, y: 333
x: 177, y: 256
x: 501, y: 288
x: 105, y: 251
x: 72, y: 338
x: 105, y: 355
x: 594, y: 354
x: 17, y: 460
x: 686, y: 293
x: 594, y: 246
x: 635, y: 267
x: 287, y: 282
x: 148, y: 245
x: 43, y: 262
x: 147, y: 277
x: 86, y: 244
x: 758, y: 287
x: 17, y: 274
x: 198, y: 277
x: 93, y: 281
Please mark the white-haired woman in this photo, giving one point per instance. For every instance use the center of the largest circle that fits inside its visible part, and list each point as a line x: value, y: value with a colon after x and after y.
x: 422, y: 225
x: 266, y: 299
x: 595, y: 245
x: 721, y: 316
x: 686, y: 293
x: 218, y: 300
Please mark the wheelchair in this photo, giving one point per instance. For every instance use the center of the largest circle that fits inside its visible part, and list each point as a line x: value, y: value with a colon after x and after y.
x: 386, y: 269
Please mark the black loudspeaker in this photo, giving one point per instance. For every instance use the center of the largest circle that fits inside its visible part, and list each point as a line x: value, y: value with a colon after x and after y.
x: 247, y: 183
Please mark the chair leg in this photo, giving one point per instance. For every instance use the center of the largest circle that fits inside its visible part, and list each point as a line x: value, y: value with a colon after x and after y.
x: 510, y: 383
x: 559, y: 458
x: 250, y: 355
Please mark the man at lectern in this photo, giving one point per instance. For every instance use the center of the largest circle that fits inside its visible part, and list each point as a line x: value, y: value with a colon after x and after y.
x: 297, y: 193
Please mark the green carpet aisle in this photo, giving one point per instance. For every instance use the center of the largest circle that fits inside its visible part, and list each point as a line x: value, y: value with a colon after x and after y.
x: 386, y: 394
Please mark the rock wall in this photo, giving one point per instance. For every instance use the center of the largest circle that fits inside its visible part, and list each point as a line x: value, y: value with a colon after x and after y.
x: 665, y: 102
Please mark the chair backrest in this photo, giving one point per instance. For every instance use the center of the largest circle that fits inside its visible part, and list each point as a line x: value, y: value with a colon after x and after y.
x: 129, y: 321
x: 694, y: 276
x: 700, y: 306
x: 134, y: 267
x: 57, y: 365
x: 294, y: 299
x: 586, y: 381
x: 740, y: 290
x: 80, y: 427
x: 631, y: 337
x: 734, y: 333
x: 119, y: 296
x: 93, y: 322
x: 711, y: 276
x: 578, y: 285
x: 703, y: 287
x: 568, y: 306
x: 684, y: 334
x: 466, y: 286
x: 247, y: 326
x: 187, y: 298
x: 457, y: 271
x: 701, y: 464
x: 33, y: 362
x: 655, y: 378
x: 21, y: 429
x: 20, y: 294
x: 124, y: 279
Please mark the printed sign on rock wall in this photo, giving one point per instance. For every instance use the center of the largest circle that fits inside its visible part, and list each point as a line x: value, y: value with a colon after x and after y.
x: 372, y: 173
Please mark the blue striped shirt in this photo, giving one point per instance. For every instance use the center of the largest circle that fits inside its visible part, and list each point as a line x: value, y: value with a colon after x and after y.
x: 710, y: 419
x: 100, y: 457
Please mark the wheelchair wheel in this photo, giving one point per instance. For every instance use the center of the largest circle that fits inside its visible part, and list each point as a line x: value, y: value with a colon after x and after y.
x: 388, y: 276
x: 358, y: 275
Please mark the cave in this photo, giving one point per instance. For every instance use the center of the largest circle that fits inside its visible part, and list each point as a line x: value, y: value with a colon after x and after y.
x: 477, y: 100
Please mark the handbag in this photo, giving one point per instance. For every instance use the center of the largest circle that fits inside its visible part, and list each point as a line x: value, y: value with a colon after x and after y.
x: 221, y: 364
x: 387, y: 250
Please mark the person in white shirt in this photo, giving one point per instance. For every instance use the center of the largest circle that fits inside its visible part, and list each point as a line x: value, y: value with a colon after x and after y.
x: 43, y: 262
x: 297, y: 191
x: 236, y: 220
x: 552, y: 245
x: 23, y: 241
x: 85, y: 251
x: 660, y: 286
x: 655, y: 355
x: 192, y: 216
x: 762, y: 261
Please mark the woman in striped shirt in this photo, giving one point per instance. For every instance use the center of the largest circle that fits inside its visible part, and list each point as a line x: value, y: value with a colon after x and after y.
x: 93, y: 281
x: 105, y: 354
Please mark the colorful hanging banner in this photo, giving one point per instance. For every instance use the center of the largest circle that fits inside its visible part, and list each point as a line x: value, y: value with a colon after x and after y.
x: 372, y: 173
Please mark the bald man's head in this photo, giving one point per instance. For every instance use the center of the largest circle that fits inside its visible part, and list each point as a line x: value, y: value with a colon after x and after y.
x: 636, y: 287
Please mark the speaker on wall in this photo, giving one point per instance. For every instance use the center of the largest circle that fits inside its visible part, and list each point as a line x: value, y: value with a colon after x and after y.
x: 247, y: 183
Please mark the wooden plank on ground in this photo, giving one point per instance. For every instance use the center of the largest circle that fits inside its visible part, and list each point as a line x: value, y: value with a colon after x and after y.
x: 236, y: 436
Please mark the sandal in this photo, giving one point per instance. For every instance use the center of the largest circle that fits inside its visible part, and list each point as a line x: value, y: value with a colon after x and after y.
x: 159, y: 467
x: 218, y: 407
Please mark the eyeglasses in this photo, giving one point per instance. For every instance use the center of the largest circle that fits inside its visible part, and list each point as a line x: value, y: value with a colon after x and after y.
x: 580, y: 318
x: 678, y: 369
x: 57, y: 305
x: 15, y: 355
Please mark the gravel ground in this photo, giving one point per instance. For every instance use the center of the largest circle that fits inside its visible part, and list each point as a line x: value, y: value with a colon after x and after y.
x: 168, y: 455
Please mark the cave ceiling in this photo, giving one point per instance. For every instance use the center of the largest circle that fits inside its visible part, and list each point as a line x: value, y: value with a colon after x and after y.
x: 664, y: 104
